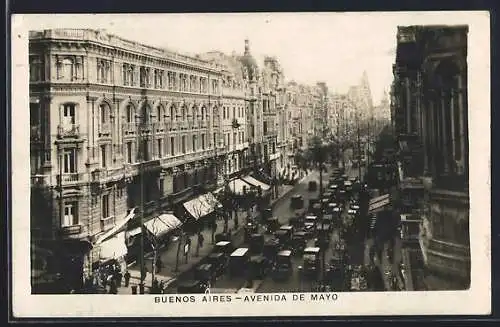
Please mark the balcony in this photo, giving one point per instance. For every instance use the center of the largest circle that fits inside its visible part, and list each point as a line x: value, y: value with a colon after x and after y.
x: 40, y: 180
x: 107, y: 175
x: 70, y: 178
x: 105, y: 129
x: 107, y: 223
x: 241, y: 146
x: 68, y: 131
x: 73, y: 230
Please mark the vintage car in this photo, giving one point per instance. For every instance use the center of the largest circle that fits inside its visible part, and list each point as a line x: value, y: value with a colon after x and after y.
x: 259, y: 266
x: 205, y: 272
x: 312, y: 203
x: 250, y: 228
x: 192, y: 286
x: 297, y: 201
x: 256, y: 243
x: 267, y: 213
x: 283, y: 266
x: 271, y: 249
x: 219, y: 261
x: 311, y: 261
x: 238, y: 261
x: 299, y: 241
x: 311, y: 220
x: 328, y: 220
x: 223, y: 237
x: 284, y: 235
x: 224, y: 247
x: 272, y: 225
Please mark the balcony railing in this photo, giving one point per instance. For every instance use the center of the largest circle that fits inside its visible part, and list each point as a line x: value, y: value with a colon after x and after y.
x: 70, y: 130
x: 105, y: 129
x: 129, y: 128
x: 70, y: 178
x: 71, y: 230
x: 40, y: 180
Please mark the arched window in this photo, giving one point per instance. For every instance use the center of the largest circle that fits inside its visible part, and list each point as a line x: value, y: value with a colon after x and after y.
x: 159, y: 113
x: 195, y: 112
x: 203, y: 113
x: 145, y: 114
x: 130, y: 113
x: 104, y: 111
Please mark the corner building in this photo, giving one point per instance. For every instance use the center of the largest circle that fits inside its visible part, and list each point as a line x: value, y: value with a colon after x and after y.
x: 102, y: 109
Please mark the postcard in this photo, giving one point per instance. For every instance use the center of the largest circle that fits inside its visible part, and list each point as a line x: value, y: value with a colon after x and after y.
x: 250, y: 164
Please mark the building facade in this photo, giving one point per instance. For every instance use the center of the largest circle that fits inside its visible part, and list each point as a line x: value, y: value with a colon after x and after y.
x: 429, y: 112
x: 109, y: 115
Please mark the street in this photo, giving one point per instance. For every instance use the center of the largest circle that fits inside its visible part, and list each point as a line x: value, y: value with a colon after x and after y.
x: 295, y: 283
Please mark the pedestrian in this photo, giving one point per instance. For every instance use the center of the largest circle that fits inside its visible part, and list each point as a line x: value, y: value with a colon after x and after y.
x: 127, y: 278
x: 162, y: 287
x: 159, y: 265
x: 201, y: 239
x: 154, y: 286
x: 113, y: 289
x: 119, y: 277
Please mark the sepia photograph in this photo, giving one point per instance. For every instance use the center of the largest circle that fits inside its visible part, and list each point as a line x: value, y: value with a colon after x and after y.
x: 231, y: 164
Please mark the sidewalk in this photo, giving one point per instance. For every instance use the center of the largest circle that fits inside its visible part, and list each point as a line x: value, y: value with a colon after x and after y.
x: 168, y: 255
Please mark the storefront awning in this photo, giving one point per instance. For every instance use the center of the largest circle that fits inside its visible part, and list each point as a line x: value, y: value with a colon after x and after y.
x: 202, y: 205
x: 162, y: 224
x: 252, y: 181
x: 378, y: 203
x: 119, y: 227
x: 114, y: 247
x: 237, y: 186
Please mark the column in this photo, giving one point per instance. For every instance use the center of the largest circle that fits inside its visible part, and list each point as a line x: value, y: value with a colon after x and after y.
x: 424, y: 112
x: 408, y: 105
x: 444, y: 132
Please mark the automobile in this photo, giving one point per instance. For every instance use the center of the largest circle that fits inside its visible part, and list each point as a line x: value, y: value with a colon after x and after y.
x: 312, y: 186
x: 251, y: 227
x: 312, y: 202
x: 311, y: 261
x: 352, y: 212
x: 284, y: 234
x: 271, y: 248
x: 296, y: 222
x: 272, y: 224
x: 192, y: 287
x: 259, y: 266
x: 224, y: 247
x: 256, y: 243
x: 316, y: 208
x: 297, y: 201
x: 309, y: 230
x: 283, y: 266
x: 267, y: 213
x: 205, y: 272
x: 328, y: 220
x: 299, y: 241
x: 219, y: 261
x: 354, y: 207
x: 219, y: 237
x: 311, y: 220
x: 328, y: 195
x: 238, y: 261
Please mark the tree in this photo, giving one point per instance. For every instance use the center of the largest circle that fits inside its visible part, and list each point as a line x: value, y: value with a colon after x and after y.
x: 153, y: 240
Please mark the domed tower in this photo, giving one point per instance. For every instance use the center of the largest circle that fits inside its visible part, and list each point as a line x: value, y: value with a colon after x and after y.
x: 249, y: 63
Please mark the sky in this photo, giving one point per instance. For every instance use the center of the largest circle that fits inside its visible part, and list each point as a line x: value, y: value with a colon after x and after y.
x: 331, y: 47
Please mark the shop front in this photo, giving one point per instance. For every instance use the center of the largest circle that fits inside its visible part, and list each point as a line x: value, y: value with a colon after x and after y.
x: 113, y: 252
x: 198, y: 210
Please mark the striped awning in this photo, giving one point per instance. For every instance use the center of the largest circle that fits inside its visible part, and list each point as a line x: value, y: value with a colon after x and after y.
x: 252, y: 181
x: 378, y: 203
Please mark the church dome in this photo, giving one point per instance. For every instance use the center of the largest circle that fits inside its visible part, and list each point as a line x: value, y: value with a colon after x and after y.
x: 249, y: 62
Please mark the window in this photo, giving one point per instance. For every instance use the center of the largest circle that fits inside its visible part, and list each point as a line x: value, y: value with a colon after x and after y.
x: 125, y: 74
x: 145, y: 150
x: 265, y: 127
x: 103, y: 69
x: 160, y: 143
x: 36, y: 69
x: 234, y: 138
x: 172, y: 113
x: 130, y: 114
x: 203, y: 141
x: 129, y: 152
x: 183, y: 113
x: 183, y: 144
x: 194, y: 143
x: 70, y: 214
x: 69, y: 114
x: 215, y: 140
x: 234, y: 112
x: 69, y: 161
x: 103, y: 156
x: 172, y: 145
x: 67, y: 69
x: 103, y: 108
x: 105, y: 206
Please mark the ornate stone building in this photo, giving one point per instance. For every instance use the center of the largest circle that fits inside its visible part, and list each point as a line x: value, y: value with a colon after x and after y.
x: 429, y: 111
x: 107, y: 112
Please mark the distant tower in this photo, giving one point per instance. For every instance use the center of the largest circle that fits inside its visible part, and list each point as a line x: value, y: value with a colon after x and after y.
x: 247, y: 47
